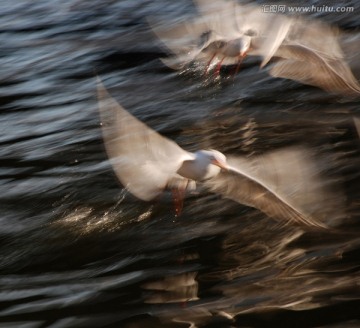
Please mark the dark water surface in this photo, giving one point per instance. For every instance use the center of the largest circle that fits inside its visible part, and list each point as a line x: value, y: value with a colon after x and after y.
x: 78, y: 251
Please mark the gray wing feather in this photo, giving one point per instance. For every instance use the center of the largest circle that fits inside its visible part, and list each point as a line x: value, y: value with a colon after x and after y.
x: 309, y: 49
x: 284, y: 184
x: 142, y: 159
x: 185, y: 40
x: 305, y: 65
x: 225, y: 21
x: 311, y: 54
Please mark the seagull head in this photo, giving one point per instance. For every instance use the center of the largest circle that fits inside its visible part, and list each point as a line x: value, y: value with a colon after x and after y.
x: 205, y: 165
x: 218, y: 159
x: 213, y: 160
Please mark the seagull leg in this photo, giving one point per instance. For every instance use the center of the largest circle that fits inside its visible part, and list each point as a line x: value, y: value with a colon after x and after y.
x: 218, y: 67
x: 209, y: 62
x: 178, y: 194
x: 178, y: 201
x: 240, y: 60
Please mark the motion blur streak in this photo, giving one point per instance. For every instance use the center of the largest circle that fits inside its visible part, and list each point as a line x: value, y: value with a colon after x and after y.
x: 77, y: 250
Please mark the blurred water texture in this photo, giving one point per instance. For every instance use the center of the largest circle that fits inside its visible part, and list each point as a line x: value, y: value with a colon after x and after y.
x: 78, y: 251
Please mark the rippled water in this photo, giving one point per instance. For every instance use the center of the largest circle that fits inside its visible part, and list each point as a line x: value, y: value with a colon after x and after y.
x: 78, y: 251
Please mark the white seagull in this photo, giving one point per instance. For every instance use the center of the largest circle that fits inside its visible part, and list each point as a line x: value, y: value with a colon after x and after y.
x: 225, y: 32
x: 284, y: 184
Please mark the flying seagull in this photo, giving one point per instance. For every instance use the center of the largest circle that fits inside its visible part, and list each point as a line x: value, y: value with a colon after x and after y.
x: 283, y: 184
x: 225, y: 32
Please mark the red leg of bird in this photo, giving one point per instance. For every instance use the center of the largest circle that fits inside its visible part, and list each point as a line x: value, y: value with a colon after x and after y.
x: 209, y: 63
x: 241, y: 58
x: 178, y: 197
x: 218, y: 67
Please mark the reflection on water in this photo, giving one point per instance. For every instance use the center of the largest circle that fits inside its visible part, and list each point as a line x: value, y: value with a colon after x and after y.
x: 79, y: 251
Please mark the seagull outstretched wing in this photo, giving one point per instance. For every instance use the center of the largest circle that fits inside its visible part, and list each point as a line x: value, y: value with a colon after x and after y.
x: 142, y: 159
x: 284, y: 184
x: 307, y: 51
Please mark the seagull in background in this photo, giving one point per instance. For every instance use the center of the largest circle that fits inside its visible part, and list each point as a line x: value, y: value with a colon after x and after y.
x: 284, y: 184
x: 226, y: 32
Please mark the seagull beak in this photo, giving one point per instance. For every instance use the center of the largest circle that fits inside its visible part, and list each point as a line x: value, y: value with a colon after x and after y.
x: 220, y: 164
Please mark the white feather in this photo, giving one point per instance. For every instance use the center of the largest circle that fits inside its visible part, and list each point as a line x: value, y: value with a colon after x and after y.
x: 283, y: 184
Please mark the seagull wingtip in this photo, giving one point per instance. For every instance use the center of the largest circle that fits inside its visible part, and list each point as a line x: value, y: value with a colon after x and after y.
x: 101, y: 90
x: 98, y: 80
